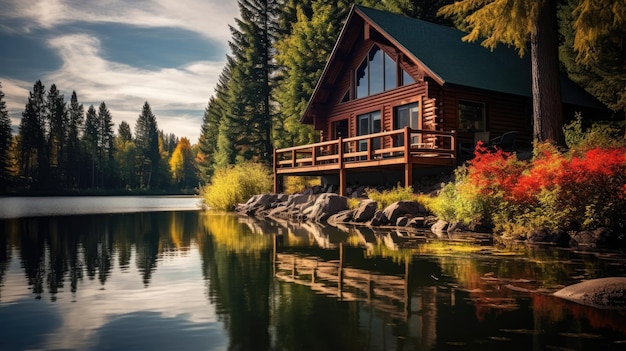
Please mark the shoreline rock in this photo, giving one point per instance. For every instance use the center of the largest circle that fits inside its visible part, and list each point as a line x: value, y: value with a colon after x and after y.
x: 330, y: 208
x: 605, y: 293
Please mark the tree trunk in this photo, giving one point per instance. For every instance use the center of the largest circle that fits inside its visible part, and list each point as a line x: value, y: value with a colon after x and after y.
x: 546, y: 83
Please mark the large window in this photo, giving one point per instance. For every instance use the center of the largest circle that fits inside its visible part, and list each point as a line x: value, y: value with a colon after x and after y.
x: 407, y: 116
x: 472, y: 116
x: 368, y: 123
x: 377, y: 73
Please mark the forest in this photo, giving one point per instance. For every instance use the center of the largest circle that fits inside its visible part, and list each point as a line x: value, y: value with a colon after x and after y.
x: 278, y: 50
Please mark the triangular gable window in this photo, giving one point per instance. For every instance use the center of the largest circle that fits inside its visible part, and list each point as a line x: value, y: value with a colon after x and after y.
x: 377, y: 73
x: 346, y: 96
x: 406, y: 78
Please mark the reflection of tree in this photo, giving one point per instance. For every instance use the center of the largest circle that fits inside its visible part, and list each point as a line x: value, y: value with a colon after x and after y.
x: 5, y: 254
x: 237, y: 268
x: 55, y: 249
x: 147, y: 236
x: 97, y: 243
x: 32, y: 252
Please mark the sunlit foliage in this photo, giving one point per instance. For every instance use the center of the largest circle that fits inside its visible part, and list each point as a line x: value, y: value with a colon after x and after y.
x: 232, y: 185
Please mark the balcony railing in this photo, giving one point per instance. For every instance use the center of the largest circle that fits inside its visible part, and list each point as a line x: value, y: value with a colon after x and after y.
x: 394, y: 147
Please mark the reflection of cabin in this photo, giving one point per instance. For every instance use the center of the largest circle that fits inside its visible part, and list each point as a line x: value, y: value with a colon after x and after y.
x: 398, y: 95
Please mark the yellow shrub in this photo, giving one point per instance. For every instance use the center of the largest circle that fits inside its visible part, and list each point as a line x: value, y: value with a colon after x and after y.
x: 295, y: 184
x: 232, y: 185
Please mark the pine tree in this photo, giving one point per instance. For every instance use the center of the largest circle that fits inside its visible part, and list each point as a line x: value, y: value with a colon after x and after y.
x: 250, y: 106
x: 57, y: 120
x: 90, y: 141
x: 123, y: 132
x: 105, y: 144
x: 31, y: 148
x: 6, y: 141
x: 213, y: 114
x: 76, y: 117
x: 147, y: 142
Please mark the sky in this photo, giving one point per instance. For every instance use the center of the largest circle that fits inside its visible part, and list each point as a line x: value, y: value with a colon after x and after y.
x: 120, y: 52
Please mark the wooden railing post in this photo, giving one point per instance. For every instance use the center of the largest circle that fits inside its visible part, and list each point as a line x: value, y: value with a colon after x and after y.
x: 275, y: 159
x: 408, y: 167
x: 342, y: 171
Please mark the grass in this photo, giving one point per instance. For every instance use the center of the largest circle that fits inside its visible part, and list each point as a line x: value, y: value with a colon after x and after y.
x: 387, y: 197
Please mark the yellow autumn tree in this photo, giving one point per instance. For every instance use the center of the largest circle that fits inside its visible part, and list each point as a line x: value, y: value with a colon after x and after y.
x: 182, y: 165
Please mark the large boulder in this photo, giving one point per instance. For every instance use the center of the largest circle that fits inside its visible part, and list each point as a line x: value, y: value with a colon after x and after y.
x: 440, y: 228
x: 595, y: 238
x: 325, y: 206
x: 365, y: 211
x: 546, y: 236
x: 344, y: 216
x: 401, y: 209
x: 379, y: 219
x: 257, y: 203
x: 606, y: 293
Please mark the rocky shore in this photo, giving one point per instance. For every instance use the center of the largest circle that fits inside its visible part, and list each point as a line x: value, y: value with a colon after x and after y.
x: 322, y: 206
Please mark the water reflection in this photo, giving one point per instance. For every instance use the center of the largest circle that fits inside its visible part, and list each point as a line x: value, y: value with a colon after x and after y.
x: 199, y: 280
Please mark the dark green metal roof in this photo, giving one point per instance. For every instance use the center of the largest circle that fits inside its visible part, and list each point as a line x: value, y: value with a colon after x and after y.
x: 442, y: 51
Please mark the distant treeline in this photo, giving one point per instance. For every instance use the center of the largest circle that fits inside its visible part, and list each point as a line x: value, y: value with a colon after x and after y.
x: 60, y: 148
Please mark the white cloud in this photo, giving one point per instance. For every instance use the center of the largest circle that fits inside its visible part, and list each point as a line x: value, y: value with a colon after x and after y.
x: 207, y: 18
x: 125, y: 88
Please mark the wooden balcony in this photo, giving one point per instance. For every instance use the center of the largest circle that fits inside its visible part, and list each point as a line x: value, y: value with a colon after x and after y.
x: 398, y: 149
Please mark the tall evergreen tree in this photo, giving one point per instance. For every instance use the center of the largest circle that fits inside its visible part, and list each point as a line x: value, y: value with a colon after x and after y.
x: 123, y: 132
x: 213, y: 113
x: 76, y: 115
x: 250, y: 107
x: 105, y: 144
x: 6, y: 141
x: 90, y: 142
x: 147, y: 141
x: 31, y: 137
x: 57, y: 120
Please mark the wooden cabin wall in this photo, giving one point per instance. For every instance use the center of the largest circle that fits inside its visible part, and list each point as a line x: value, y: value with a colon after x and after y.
x: 384, y: 102
x: 504, y: 112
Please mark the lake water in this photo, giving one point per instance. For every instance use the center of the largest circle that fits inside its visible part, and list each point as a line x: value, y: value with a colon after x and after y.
x: 157, y: 273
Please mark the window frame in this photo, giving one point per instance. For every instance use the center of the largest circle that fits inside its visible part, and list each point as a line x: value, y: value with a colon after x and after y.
x: 470, y: 125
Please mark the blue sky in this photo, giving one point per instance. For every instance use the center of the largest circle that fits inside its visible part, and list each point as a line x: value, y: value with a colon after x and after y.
x: 123, y: 52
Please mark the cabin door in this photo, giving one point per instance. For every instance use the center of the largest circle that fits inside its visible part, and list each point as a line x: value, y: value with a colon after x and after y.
x: 408, y: 116
x: 369, y: 123
x: 339, y: 129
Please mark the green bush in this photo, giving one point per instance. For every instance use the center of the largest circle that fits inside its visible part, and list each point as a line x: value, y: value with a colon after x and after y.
x: 387, y: 197
x: 599, y: 134
x: 232, y: 185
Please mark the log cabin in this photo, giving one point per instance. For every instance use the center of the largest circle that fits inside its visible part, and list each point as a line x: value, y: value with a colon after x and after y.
x: 398, y: 96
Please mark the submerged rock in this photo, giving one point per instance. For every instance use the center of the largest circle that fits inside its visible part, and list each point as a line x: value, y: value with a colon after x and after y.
x: 607, y: 293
